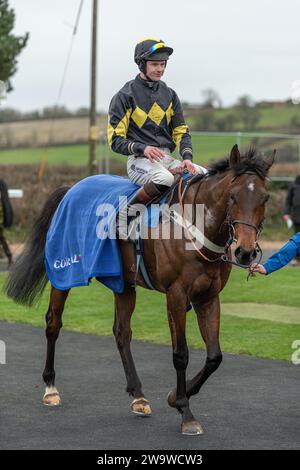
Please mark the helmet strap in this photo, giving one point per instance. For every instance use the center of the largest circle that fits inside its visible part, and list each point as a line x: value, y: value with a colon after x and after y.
x: 143, y: 68
x: 148, y: 78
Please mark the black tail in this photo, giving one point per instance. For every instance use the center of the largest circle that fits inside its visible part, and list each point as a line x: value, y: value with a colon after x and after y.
x: 6, y: 205
x: 27, y: 278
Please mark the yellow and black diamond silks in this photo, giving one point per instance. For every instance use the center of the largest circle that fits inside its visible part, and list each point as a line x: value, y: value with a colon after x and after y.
x: 147, y: 113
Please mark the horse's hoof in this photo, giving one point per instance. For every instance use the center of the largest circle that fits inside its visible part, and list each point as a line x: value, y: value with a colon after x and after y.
x: 52, y: 399
x: 141, y: 407
x: 191, y: 428
x: 172, y: 398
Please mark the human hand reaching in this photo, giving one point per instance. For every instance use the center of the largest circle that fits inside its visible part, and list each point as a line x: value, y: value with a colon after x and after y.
x: 257, y: 268
x: 187, y: 164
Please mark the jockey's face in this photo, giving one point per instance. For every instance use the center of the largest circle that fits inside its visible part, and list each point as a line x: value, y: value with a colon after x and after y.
x: 155, y: 69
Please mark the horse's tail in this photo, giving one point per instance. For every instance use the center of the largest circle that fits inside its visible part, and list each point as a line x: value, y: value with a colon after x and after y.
x: 8, y: 214
x: 27, y: 278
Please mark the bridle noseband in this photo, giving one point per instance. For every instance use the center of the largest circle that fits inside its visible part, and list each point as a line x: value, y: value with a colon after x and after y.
x: 232, y: 239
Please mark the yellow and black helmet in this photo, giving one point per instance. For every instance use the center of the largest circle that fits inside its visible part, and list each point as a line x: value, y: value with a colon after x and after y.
x: 151, y: 49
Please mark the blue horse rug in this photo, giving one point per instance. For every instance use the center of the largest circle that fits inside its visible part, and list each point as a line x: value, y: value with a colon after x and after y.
x: 81, y: 241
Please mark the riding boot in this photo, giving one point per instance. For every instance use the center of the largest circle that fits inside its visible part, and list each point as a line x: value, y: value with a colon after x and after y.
x: 134, y: 207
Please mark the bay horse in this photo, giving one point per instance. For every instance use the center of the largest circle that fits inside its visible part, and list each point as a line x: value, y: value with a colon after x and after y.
x: 234, y: 195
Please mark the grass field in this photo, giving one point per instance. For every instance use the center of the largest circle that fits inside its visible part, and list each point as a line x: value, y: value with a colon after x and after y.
x: 260, y: 317
x: 69, y: 154
x: 271, y: 118
x: 206, y: 148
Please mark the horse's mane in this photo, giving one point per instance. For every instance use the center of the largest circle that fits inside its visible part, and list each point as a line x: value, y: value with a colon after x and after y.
x: 250, y: 162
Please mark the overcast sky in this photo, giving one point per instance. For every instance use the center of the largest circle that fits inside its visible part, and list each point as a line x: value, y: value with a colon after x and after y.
x: 234, y: 46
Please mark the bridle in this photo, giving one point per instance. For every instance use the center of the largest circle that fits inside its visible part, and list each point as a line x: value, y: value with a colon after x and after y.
x: 232, y: 239
x: 231, y: 225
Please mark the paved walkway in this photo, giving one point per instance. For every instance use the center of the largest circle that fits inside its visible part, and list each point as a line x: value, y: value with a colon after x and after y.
x: 247, y: 404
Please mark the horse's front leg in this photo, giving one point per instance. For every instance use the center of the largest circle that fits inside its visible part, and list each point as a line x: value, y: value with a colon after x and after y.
x: 124, y: 307
x: 208, y: 316
x: 177, y: 303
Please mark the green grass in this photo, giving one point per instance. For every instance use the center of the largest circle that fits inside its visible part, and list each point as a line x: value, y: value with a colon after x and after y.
x: 90, y: 310
x: 277, y: 118
x: 270, y: 312
x: 271, y: 118
x: 206, y: 148
x: 69, y: 154
x: 279, y: 288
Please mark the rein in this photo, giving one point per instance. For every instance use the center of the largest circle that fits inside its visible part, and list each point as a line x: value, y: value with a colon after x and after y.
x: 231, y: 224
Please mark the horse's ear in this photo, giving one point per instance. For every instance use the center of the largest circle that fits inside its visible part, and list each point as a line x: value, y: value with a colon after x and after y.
x: 268, y: 161
x: 235, y: 156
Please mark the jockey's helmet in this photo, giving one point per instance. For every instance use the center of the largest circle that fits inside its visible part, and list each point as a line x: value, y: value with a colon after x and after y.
x: 151, y: 49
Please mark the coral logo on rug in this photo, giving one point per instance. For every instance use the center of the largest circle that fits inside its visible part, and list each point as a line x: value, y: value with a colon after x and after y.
x: 66, y: 262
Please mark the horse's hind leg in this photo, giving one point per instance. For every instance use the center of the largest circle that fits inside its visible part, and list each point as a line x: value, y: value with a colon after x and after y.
x: 124, y: 307
x: 54, y: 324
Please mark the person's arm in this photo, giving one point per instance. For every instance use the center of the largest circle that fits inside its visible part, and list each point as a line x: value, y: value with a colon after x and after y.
x: 180, y: 131
x: 284, y: 255
x: 118, y: 123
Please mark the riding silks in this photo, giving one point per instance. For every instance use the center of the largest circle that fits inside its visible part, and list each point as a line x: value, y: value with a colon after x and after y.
x: 147, y: 113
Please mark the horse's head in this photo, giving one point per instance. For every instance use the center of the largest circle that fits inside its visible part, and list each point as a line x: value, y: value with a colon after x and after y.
x: 247, y: 199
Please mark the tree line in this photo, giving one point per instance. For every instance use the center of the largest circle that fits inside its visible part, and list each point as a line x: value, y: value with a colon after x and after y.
x: 49, y: 112
x: 244, y: 114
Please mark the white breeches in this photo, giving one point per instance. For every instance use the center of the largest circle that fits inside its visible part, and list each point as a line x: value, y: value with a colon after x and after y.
x: 140, y: 170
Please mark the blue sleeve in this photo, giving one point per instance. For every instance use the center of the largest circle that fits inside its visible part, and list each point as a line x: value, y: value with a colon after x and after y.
x: 284, y: 255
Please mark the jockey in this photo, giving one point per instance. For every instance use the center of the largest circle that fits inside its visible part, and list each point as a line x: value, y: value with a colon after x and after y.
x: 146, y: 123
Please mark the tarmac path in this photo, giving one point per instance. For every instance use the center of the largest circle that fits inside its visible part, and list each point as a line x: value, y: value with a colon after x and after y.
x: 248, y: 403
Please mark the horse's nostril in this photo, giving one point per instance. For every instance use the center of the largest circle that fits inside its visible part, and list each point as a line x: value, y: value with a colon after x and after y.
x: 245, y: 257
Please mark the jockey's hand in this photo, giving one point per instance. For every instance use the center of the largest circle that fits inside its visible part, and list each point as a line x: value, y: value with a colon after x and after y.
x: 257, y: 268
x: 187, y: 164
x: 153, y: 153
x: 286, y: 217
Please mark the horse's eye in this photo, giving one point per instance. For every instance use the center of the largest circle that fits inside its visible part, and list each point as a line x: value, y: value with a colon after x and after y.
x: 232, y: 196
x: 266, y: 198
